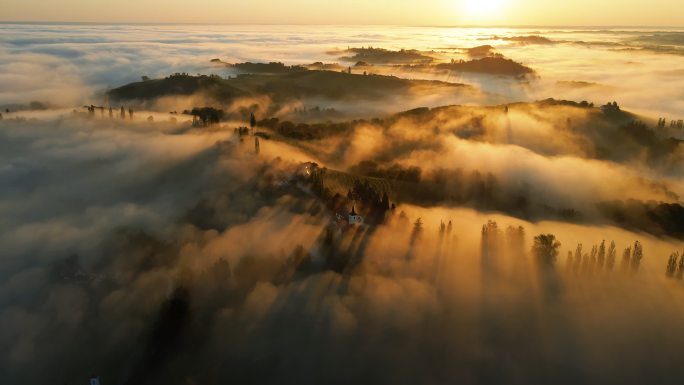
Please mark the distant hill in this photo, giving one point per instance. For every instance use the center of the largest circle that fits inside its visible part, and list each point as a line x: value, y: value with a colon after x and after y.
x: 177, y: 84
x: 320, y: 66
x: 486, y: 62
x: 491, y: 65
x: 280, y: 87
x: 260, y: 68
x: 656, y: 218
x: 384, y: 56
x: 482, y: 51
x: 532, y: 39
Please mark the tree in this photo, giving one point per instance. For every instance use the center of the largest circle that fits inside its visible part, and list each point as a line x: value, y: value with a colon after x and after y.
x: 626, y: 257
x: 207, y: 115
x: 601, y: 258
x: 592, y: 261
x: 417, y: 230
x: 515, y: 239
x: 637, y: 255
x: 672, y: 264
x: 490, y: 240
x: 585, y: 262
x: 418, y: 225
x: 578, y: 259
x: 252, y: 120
x: 545, y: 249
x: 610, y: 257
x: 568, y: 261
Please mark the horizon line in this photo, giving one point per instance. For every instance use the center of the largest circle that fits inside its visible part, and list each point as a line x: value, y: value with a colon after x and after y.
x: 39, y: 22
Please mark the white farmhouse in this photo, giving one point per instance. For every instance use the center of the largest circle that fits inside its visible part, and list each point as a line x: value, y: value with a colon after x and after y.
x: 354, y: 218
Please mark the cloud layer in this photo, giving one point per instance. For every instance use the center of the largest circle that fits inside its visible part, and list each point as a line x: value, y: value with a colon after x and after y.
x: 152, y: 252
x: 70, y: 64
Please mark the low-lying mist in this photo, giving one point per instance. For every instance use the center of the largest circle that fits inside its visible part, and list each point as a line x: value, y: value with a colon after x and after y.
x: 575, y: 157
x: 301, y: 229
x: 84, y: 61
x: 160, y: 253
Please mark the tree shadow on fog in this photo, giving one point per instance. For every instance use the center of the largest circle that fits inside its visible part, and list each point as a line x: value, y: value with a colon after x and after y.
x: 414, y: 239
x: 509, y: 128
x: 439, y: 260
x: 355, y: 254
x: 277, y: 360
x: 524, y: 328
x: 165, y: 339
x: 492, y: 314
x: 170, y: 180
x: 563, y: 360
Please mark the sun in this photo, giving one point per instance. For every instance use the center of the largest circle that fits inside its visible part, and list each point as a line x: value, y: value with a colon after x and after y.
x: 483, y: 9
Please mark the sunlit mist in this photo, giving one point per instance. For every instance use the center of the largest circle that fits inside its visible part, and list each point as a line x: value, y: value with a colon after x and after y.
x: 306, y: 192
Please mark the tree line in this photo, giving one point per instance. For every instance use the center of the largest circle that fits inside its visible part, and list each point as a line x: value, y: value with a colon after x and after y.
x: 601, y: 258
x: 675, y: 266
x: 546, y: 248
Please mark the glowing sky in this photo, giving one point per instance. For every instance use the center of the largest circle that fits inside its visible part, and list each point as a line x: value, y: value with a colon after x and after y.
x: 403, y: 12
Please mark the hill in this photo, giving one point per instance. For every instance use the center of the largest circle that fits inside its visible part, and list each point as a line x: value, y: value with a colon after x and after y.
x: 177, y: 84
x: 280, y: 87
x: 383, y: 56
x: 491, y: 65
